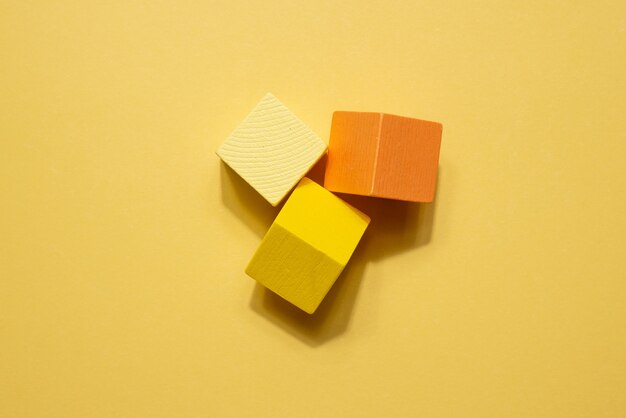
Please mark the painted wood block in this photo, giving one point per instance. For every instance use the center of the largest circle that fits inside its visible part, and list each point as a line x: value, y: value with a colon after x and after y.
x: 272, y: 149
x: 308, y: 245
x: 382, y: 155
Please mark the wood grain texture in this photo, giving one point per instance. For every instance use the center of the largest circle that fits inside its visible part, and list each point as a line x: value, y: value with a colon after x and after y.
x: 272, y: 149
x: 382, y: 155
x: 308, y: 245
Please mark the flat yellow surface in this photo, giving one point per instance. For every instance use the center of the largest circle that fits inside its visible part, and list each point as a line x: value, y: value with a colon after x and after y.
x: 123, y: 240
x: 323, y: 220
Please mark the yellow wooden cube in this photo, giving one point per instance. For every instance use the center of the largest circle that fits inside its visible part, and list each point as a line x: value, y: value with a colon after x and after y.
x: 308, y: 245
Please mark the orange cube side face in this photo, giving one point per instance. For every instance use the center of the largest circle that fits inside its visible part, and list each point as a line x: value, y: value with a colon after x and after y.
x: 408, y: 159
x: 381, y: 155
x: 352, y: 152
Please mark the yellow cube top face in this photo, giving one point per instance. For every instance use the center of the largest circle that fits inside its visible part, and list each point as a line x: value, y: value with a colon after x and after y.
x: 323, y: 220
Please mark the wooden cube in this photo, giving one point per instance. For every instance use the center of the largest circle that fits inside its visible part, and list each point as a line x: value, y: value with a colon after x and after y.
x: 272, y: 149
x: 381, y: 155
x: 308, y: 245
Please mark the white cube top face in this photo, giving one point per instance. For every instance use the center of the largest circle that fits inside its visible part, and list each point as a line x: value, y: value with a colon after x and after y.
x: 272, y: 149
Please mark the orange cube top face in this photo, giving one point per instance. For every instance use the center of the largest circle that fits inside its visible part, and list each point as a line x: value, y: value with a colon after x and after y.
x: 381, y: 155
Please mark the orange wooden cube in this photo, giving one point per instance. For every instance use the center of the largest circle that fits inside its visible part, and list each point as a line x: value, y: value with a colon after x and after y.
x: 381, y: 155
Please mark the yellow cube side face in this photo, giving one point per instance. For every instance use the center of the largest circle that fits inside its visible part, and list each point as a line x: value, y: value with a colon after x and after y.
x: 293, y: 269
x: 323, y: 220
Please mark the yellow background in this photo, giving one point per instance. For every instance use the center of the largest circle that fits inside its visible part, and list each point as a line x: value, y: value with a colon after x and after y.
x: 123, y: 241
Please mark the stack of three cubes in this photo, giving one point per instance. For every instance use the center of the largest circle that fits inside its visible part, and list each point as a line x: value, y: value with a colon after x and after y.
x: 316, y: 232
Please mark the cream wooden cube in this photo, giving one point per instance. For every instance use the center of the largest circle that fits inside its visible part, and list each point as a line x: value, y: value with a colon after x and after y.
x: 272, y: 149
